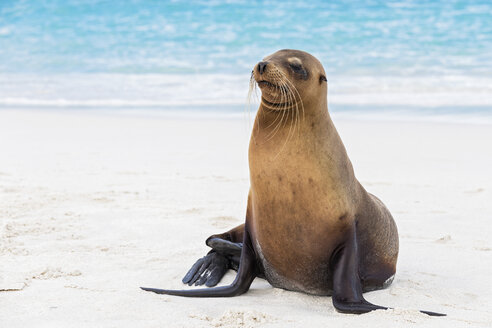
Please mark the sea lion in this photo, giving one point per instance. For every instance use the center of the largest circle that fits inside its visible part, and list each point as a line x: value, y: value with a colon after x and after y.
x: 310, y: 225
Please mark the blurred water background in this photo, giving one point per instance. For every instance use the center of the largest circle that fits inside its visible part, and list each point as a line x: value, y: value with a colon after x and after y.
x: 383, y: 58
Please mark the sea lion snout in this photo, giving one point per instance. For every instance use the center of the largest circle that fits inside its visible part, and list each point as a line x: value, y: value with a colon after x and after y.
x: 262, y: 66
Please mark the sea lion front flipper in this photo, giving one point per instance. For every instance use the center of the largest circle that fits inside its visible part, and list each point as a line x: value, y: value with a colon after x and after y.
x: 347, y: 288
x: 248, y: 270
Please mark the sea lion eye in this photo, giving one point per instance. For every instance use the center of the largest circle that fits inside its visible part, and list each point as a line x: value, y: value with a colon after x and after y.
x: 322, y: 79
x: 298, y: 69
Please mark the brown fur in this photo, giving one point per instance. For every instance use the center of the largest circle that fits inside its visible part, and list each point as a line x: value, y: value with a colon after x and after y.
x: 304, y: 197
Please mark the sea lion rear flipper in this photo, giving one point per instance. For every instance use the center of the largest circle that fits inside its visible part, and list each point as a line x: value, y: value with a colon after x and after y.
x: 248, y: 270
x: 225, y: 247
x: 208, y: 270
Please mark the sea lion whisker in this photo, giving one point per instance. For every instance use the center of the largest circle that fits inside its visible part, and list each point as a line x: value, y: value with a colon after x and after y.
x: 275, y: 120
x: 252, y: 88
x: 277, y: 127
x: 250, y: 91
x: 291, y: 99
x: 278, y: 124
x: 297, y: 114
x: 295, y: 108
x: 288, y: 105
x: 292, y: 86
x: 290, y: 111
x: 297, y: 125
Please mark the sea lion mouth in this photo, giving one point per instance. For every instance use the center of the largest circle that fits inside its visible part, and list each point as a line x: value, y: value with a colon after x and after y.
x: 273, y: 92
x: 270, y: 104
x: 264, y: 83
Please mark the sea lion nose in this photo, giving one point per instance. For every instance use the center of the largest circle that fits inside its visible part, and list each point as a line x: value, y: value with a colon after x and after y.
x: 262, y: 66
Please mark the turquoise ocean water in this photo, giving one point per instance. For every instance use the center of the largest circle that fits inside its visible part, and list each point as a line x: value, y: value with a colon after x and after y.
x: 421, y: 56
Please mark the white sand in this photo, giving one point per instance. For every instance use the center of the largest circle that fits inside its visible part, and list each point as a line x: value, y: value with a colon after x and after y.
x: 95, y: 204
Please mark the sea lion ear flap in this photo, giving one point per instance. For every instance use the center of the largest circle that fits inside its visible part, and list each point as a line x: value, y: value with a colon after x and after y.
x: 322, y: 78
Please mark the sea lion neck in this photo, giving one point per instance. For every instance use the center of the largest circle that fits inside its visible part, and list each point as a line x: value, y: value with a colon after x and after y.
x: 300, y: 146
x: 296, y: 126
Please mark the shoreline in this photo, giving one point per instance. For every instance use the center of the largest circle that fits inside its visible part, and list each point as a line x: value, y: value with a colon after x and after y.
x: 472, y: 115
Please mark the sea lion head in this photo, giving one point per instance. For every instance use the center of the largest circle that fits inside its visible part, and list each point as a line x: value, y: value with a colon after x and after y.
x: 289, y: 78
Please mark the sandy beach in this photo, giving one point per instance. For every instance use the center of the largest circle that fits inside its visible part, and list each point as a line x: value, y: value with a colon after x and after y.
x: 94, y: 204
